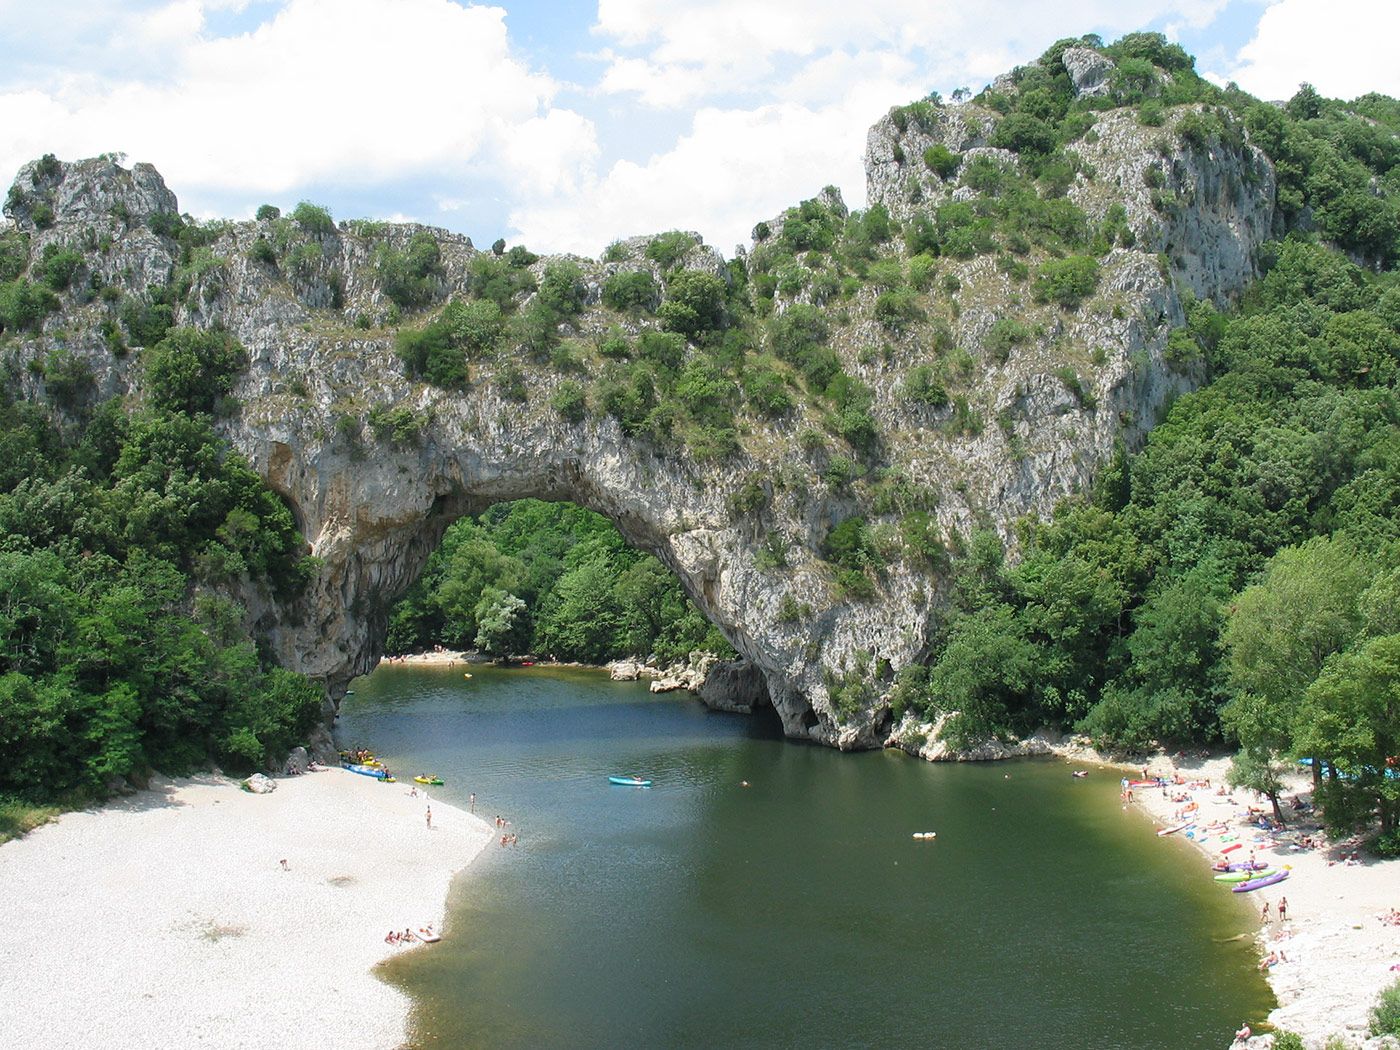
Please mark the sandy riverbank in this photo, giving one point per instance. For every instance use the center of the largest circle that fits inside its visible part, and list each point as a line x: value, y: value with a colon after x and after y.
x: 433, y: 658
x: 165, y: 920
x: 1338, y: 952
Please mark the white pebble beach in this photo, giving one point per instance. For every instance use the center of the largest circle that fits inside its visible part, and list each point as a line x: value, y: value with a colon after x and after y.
x: 1338, y: 952
x: 165, y: 920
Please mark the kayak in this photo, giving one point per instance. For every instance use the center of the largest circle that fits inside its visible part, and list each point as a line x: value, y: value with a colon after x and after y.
x: 1245, y: 876
x: 426, y: 935
x: 366, y: 771
x: 636, y: 782
x: 1243, y: 865
x: 926, y: 834
x: 1259, y: 884
x: 1179, y: 827
x: 437, y: 781
x: 1232, y: 846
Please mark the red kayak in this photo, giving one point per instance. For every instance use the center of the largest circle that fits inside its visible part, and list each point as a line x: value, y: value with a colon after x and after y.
x: 1232, y: 846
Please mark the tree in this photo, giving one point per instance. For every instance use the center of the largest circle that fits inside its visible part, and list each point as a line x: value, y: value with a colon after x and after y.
x: 985, y: 674
x: 1281, y: 632
x: 192, y: 370
x: 694, y: 303
x: 1258, y: 769
x: 581, y: 620
x: 1351, y: 717
x: 502, y: 623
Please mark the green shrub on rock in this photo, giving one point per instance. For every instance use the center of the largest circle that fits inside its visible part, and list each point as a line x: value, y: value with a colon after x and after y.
x: 1067, y: 282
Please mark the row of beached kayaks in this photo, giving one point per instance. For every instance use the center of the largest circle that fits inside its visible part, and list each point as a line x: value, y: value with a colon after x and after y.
x: 369, y: 766
x: 1241, y: 877
x: 1259, y: 882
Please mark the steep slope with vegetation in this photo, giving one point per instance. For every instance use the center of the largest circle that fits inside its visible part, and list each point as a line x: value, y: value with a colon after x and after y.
x: 849, y: 442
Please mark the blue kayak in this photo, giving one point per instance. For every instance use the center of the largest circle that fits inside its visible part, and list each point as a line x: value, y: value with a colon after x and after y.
x: 366, y: 771
x: 636, y: 782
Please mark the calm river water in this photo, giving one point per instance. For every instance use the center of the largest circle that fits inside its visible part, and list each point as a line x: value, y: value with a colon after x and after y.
x: 796, y: 912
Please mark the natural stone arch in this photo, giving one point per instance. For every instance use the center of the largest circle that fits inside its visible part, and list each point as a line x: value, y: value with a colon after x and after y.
x: 374, y: 520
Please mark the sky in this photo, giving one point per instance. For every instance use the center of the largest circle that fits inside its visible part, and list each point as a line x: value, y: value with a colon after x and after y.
x: 565, y: 126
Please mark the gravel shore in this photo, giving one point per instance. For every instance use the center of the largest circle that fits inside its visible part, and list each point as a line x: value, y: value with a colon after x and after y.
x: 166, y: 920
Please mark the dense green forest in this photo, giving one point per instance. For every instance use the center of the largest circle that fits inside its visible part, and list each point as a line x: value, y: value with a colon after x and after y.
x: 553, y: 579
x: 119, y: 526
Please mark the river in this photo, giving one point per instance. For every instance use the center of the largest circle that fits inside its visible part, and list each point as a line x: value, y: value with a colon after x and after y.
x: 797, y: 911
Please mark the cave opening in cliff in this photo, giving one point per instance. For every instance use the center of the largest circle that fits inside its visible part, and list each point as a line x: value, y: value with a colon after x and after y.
x: 533, y: 580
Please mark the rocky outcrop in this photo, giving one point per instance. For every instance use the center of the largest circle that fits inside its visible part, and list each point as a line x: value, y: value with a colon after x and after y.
x: 743, y: 535
x: 297, y: 762
x: 923, y: 740
x: 625, y: 670
x: 734, y: 685
x: 1088, y: 70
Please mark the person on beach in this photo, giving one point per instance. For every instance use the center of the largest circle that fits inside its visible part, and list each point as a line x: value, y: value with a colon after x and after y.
x: 1264, y: 914
x: 472, y: 802
x: 1244, y: 1033
x: 284, y: 864
x: 1282, y: 909
x: 430, y: 818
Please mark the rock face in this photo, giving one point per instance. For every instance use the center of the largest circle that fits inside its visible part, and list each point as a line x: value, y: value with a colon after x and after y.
x: 1088, y: 69
x: 734, y: 685
x: 297, y: 762
x: 742, y: 535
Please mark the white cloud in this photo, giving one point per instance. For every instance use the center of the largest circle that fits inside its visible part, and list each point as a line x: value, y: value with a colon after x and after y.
x: 733, y: 168
x: 1344, y: 48
x: 710, y: 48
x: 331, y: 91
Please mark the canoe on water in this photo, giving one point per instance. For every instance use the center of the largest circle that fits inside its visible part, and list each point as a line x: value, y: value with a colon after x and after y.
x: 636, y: 782
x: 1259, y: 884
x: 926, y: 834
x: 428, y: 780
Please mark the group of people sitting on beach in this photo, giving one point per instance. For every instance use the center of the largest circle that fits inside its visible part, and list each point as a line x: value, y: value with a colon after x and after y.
x: 1391, y: 917
x: 407, y: 937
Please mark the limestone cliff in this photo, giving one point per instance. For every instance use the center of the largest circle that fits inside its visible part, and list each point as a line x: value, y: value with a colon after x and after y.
x: 1032, y: 420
